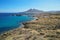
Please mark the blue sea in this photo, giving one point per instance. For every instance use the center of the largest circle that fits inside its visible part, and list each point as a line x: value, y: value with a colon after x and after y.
x: 11, y: 22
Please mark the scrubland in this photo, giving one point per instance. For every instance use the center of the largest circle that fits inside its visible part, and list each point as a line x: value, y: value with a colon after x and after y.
x: 44, y: 28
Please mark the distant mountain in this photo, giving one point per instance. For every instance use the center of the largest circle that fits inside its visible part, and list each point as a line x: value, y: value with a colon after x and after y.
x: 36, y: 12
x: 33, y: 11
x: 55, y: 12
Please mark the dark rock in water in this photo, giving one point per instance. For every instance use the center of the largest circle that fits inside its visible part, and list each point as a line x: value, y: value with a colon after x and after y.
x: 16, y: 14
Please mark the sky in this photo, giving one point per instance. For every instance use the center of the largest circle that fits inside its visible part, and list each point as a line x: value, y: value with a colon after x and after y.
x: 23, y: 5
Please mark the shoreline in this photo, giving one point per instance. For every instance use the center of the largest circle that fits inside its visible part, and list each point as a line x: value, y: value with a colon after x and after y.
x: 35, y: 29
x: 21, y: 26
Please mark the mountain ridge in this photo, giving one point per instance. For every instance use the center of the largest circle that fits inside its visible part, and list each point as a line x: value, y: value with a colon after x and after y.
x: 34, y: 11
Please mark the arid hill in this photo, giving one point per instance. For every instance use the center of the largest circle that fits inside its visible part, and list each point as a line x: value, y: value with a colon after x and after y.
x: 46, y: 27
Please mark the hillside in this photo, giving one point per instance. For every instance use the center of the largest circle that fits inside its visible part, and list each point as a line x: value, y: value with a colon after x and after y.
x: 34, y: 11
x: 46, y: 27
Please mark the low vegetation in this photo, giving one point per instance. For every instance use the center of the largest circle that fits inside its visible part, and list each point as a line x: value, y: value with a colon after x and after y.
x: 44, y: 28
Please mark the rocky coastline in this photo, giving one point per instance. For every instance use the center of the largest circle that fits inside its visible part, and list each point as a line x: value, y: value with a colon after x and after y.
x: 43, y: 28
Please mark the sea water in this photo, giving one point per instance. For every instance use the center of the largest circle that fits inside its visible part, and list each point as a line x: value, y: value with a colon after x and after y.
x: 11, y: 22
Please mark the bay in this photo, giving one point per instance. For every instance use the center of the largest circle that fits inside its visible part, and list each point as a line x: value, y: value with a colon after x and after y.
x: 11, y: 22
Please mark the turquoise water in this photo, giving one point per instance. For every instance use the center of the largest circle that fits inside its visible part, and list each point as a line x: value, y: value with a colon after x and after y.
x: 11, y: 22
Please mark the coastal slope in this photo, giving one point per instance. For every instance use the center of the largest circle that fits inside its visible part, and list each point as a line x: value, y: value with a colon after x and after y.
x: 46, y: 27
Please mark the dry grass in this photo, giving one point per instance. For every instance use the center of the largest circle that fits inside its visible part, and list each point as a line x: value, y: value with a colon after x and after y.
x: 45, y: 28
